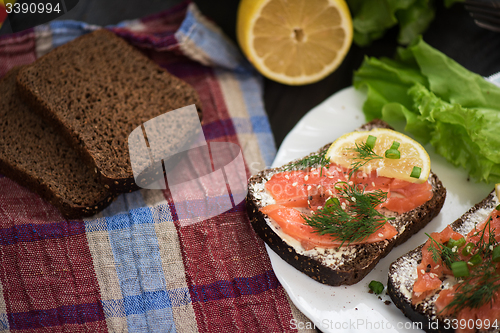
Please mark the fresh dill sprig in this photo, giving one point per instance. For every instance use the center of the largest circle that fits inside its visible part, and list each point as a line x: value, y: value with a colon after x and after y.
x: 439, y: 251
x: 482, y: 246
x: 355, y: 219
x: 363, y: 154
x: 477, y: 289
x: 314, y: 160
x: 481, y: 285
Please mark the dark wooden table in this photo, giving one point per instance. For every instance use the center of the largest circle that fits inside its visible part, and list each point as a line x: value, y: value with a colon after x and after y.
x: 452, y: 32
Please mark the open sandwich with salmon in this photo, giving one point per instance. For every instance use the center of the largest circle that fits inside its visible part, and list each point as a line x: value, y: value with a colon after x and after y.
x: 336, y: 212
x: 452, y: 282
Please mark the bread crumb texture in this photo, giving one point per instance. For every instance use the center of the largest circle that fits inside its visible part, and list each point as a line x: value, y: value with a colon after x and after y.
x: 98, y: 88
x: 35, y: 155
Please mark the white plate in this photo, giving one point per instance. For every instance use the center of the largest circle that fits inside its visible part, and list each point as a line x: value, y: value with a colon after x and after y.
x: 352, y: 308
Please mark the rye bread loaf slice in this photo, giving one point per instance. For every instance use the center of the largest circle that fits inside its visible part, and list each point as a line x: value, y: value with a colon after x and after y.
x: 35, y: 156
x: 403, y: 274
x: 96, y: 90
x: 349, y: 264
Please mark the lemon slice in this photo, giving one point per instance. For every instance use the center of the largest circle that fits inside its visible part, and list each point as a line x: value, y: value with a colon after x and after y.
x: 294, y: 42
x: 413, y: 164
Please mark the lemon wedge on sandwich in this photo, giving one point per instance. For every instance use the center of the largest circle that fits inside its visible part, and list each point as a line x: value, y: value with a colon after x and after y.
x: 395, y: 155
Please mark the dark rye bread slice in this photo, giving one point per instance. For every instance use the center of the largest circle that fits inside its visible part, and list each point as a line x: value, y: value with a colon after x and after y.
x: 351, y: 263
x: 403, y: 273
x: 96, y: 90
x: 34, y: 155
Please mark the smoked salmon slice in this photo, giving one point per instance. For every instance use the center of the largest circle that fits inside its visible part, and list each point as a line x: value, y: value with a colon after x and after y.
x: 302, y: 192
x: 292, y: 223
x: 402, y: 196
x: 432, y: 273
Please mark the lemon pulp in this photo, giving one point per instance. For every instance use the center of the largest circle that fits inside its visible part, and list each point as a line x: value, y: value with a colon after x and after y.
x: 412, y: 154
x: 294, y: 42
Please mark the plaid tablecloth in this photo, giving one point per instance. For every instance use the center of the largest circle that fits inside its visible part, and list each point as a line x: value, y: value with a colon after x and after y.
x: 135, y: 267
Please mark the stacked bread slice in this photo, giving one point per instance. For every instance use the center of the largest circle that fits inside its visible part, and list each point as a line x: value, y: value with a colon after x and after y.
x: 66, y: 118
x: 36, y: 156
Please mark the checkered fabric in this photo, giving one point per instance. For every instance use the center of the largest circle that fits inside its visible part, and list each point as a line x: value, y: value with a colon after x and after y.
x: 136, y: 267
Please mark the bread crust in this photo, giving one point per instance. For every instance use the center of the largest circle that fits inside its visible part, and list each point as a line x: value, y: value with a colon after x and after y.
x: 69, y: 70
x: 425, y: 312
x: 353, y: 268
x: 35, y: 156
x: 68, y: 209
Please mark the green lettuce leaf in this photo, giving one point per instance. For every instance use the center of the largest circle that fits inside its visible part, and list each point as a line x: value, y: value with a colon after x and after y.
x: 414, y: 20
x: 440, y: 102
x: 372, y: 18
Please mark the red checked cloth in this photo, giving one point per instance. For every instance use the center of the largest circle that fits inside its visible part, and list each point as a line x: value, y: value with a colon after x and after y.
x: 136, y: 267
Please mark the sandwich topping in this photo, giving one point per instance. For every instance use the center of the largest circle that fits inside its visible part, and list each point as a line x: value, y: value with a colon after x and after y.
x: 324, y: 203
x: 473, y: 264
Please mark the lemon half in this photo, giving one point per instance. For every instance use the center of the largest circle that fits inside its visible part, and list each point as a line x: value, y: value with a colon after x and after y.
x: 294, y: 41
x: 411, y: 154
